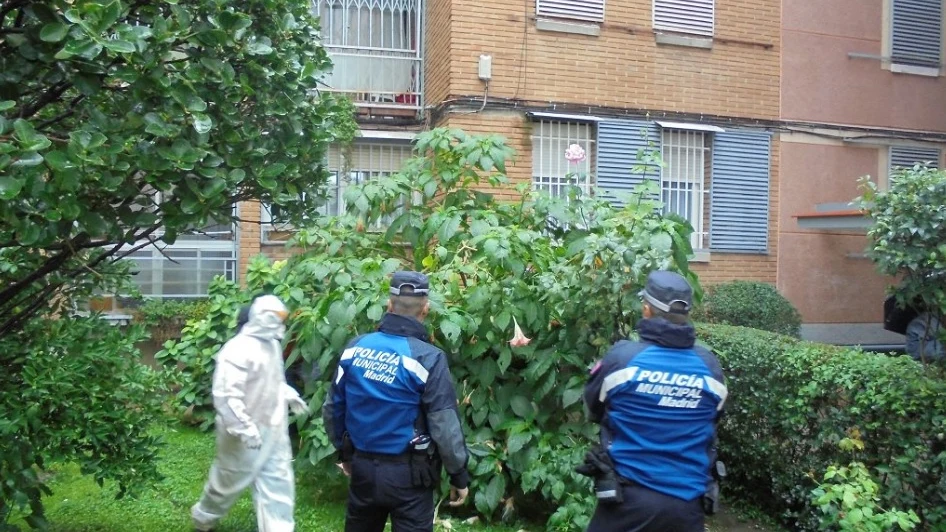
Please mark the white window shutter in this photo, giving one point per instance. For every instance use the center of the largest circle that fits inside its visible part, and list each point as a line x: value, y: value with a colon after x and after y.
x: 590, y: 10
x: 694, y: 17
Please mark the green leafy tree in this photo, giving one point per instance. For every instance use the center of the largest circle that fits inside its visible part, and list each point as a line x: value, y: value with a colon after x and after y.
x: 122, y: 124
x: 126, y: 122
x: 564, y: 273
x: 908, y: 235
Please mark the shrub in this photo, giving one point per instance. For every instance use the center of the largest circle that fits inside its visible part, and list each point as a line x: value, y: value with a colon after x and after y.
x: 791, y: 402
x: 848, y: 498
x: 566, y: 271
x: 751, y: 304
x: 166, y: 317
x: 74, y: 391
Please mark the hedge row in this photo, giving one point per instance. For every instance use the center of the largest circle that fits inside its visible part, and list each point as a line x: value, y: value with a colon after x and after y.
x: 791, y: 402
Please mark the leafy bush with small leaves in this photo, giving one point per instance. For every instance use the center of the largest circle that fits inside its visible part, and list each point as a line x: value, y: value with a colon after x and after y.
x: 849, y: 498
x: 751, y: 304
x: 567, y: 272
x: 908, y: 236
x: 74, y: 391
x: 791, y: 402
x: 160, y: 312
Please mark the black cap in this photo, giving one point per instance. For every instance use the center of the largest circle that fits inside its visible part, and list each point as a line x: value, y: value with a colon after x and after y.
x: 415, y: 280
x: 668, y: 291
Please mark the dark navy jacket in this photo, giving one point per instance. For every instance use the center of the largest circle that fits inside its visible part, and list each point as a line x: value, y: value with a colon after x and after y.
x: 658, y: 401
x: 390, y: 385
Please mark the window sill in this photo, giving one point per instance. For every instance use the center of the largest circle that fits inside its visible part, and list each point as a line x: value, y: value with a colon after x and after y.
x: 929, y: 72
x: 579, y: 28
x: 700, y: 256
x: 670, y: 39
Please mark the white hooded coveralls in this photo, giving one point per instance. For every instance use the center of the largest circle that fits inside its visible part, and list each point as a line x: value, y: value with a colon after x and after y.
x: 250, y: 397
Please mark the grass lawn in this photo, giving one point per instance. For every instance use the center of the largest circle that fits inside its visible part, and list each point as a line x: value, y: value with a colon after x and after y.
x: 79, y: 505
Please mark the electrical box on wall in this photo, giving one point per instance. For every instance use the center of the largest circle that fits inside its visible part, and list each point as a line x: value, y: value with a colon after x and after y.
x: 486, y: 67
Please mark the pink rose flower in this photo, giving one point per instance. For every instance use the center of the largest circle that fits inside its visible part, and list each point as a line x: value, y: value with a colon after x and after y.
x: 575, y: 154
x: 518, y: 339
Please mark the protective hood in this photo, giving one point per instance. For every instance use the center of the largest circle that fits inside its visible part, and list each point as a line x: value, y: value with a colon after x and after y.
x: 264, y: 321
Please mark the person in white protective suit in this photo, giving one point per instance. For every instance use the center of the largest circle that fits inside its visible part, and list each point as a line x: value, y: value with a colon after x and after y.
x: 250, y: 397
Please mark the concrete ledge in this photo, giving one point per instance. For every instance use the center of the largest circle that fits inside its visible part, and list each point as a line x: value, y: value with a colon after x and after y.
x: 591, y: 29
x: 930, y: 72
x: 700, y: 256
x: 680, y: 40
x: 865, y: 334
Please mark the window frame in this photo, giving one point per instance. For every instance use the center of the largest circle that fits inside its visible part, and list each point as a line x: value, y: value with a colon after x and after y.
x: 662, y: 13
x: 891, y: 61
x: 585, y: 11
x: 556, y: 185
x: 699, y: 240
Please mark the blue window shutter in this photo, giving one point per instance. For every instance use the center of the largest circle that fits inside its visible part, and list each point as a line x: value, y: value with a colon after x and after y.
x: 907, y: 156
x: 618, y: 143
x: 917, y: 32
x: 739, y: 203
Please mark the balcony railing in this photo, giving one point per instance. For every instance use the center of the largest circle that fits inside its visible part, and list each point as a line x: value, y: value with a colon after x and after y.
x: 376, y: 48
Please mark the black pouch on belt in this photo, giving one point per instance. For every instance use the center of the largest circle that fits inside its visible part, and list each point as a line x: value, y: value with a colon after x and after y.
x: 422, y: 472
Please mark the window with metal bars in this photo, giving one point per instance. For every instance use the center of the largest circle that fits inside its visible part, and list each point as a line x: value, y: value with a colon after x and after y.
x: 683, y: 179
x: 183, y: 270
x: 359, y: 163
x: 551, y: 171
x: 375, y: 46
x: 693, y: 17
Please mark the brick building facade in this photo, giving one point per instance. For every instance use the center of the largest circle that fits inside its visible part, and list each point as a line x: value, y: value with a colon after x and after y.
x: 731, y: 92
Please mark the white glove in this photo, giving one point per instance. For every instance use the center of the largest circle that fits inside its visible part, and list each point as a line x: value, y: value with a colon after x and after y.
x: 297, y: 406
x: 251, y: 438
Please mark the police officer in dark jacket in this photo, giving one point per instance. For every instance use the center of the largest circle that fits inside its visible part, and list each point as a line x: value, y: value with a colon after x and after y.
x: 658, y: 401
x: 392, y: 414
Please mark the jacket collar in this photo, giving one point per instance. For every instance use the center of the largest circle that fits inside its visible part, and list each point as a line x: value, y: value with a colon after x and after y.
x: 398, y: 325
x: 661, y: 332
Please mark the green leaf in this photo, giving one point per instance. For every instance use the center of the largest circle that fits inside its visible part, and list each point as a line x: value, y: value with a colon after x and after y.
x: 273, y: 170
x: 449, y: 228
x: 451, y: 330
x: 571, y: 397
x: 517, y: 441
x: 495, y: 491
x: 202, y: 123
x: 6, y: 105
x: 521, y: 406
x: 343, y: 279
x: 29, y: 159
x: 10, y: 187
x: 505, y: 358
x: 122, y: 47
x: 54, y: 32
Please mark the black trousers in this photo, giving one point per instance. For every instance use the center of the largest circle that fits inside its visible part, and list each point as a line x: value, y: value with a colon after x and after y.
x: 380, y: 488
x: 645, y: 510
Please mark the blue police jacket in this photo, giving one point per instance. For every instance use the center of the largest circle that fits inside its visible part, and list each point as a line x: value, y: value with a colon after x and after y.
x: 391, y: 385
x: 658, y: 402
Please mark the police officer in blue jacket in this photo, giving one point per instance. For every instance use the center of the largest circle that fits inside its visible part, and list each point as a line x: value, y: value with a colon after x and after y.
x: 392, y: 414
x: 658, y: 401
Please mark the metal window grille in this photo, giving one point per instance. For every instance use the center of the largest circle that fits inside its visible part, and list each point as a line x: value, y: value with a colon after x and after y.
x: 695, y: 17
x: 551, y: 172
x: 182, y: 271
x: 362, y: 162
x: 683, y: 187
x: 590, y: 10
x: 375, y: 46
x: 917, y: 36
x: 908, y: 156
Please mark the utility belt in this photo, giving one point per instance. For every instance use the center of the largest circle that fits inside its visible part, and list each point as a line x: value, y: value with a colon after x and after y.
x: 402, y: 458
x: 609, y: 486
x: 421, y: 455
